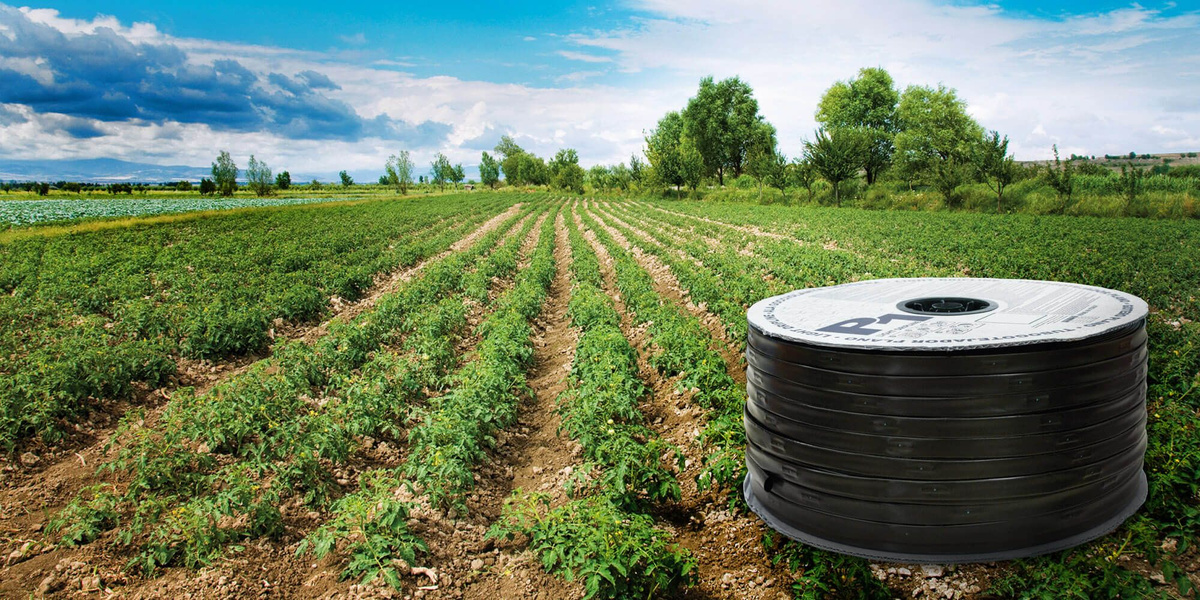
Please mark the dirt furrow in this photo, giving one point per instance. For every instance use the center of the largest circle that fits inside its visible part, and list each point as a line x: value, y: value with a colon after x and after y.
x: 25, y: 506
x: 668, y: 287
x: 386, y: 285
x: 532, y: 457
x: 732, y: 562
x: 271, y: 567
x: 72, y: 461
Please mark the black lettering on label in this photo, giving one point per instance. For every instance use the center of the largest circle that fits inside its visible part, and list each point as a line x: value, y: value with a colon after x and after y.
x: 858, y: 325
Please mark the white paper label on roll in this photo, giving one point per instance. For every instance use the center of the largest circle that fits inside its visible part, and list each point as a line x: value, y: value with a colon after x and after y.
x: 869, y: 315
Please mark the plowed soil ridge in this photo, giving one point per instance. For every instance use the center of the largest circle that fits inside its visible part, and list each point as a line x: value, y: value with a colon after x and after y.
x: 732, y: 562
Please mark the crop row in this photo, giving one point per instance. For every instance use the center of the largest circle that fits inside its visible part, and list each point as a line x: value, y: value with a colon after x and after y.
x: 603, y: 536
x: 89, y: 315
x: 217, y: 468
x: 30, y: 212
x: 451, y: 432
x: 1173, y: 458
x: 684, y: 350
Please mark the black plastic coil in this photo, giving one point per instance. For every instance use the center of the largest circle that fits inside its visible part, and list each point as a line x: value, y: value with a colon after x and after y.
x: 947, y: 456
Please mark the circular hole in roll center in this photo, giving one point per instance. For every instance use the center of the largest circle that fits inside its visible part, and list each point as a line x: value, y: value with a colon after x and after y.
x: 946, y: 305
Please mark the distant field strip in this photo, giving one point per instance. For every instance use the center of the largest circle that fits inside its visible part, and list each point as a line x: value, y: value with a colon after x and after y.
x: 32, y: 212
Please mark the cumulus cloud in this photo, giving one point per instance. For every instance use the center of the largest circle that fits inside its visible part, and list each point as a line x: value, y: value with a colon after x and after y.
x: 1097, y: 82
x: 97, y: 73
x: 1102, y: 83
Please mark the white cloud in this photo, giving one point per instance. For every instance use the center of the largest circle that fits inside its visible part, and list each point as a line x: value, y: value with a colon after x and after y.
x: 583, y: 57
x: 1099, y: 82
x: 1107, y: 83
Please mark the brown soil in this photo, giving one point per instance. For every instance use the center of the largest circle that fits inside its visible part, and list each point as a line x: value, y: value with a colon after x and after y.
x: 532, y: 457
x: 386, y: 284
x: 732, y: 562
x: 30, y: 495
x: 668, y: 287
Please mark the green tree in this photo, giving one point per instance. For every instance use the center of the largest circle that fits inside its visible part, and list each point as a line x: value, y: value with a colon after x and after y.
x: 1061, y: 178
x: 619, y: 177
x: 779, y: 174
x: 597, y: 176
x: 258, y: 177
x: 565, y: 172
x: 283, y: 180
x: 532, y: 170
x: 207, y: 187
x: 937, y: 138
x: 722, y: 119
x: 802, y: 173
x: 511, y: 158
x: 489, y: 171
x: 637, y: 170
x: 1130, y: 184
x: 995, y: 165
x: 837, y: 156
x: 225, y: 173
x: 347, y: 180
x: 868, y: 103
x: 761, y: 156
x: 691, y: 163
x: 399, y: 169
x: 457, y: 175
x: 441, y: 170
x: 663, y: 150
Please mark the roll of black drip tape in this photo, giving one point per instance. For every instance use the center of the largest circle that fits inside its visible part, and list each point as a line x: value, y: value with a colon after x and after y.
x: 946, y: 419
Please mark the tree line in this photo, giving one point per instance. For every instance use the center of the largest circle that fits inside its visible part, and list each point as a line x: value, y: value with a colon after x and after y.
x: 867, y: 127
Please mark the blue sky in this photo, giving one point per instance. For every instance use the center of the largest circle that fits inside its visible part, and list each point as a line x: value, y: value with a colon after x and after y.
x: 311, y: 89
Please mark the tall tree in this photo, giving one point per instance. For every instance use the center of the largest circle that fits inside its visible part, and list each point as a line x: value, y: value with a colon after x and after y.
x: 511, y: 158
x: 283, y: 180
x: 691, y: 163
x: 937, y: 138
x: 837, y: 155
x: 400, y: 169
x: 258, y: 177
x: 457, y: 175
x: 722, y: 119
x: 760, y: 157
x: 441, y: 170
x: 662, y: 148
x: 995, y: 165
x: 637, y: 170
x: 599, y: 177
x: 225, y: 173
x: 489, y: 171
x: 531, y: 170
x: 867, y: 102
x: 565, y: 172
x: 347, y: 180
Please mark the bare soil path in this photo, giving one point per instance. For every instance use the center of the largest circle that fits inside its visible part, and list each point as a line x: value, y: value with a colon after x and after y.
x: 532, y: 457
x: 30, y: 498
x: 726, y: 544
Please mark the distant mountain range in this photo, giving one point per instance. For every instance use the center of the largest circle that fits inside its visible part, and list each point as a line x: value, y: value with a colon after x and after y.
x: 111, y: 170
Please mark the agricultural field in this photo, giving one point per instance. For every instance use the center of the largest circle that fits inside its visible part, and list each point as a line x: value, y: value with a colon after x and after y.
x: 29, y: 212
x: 496, y: 395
